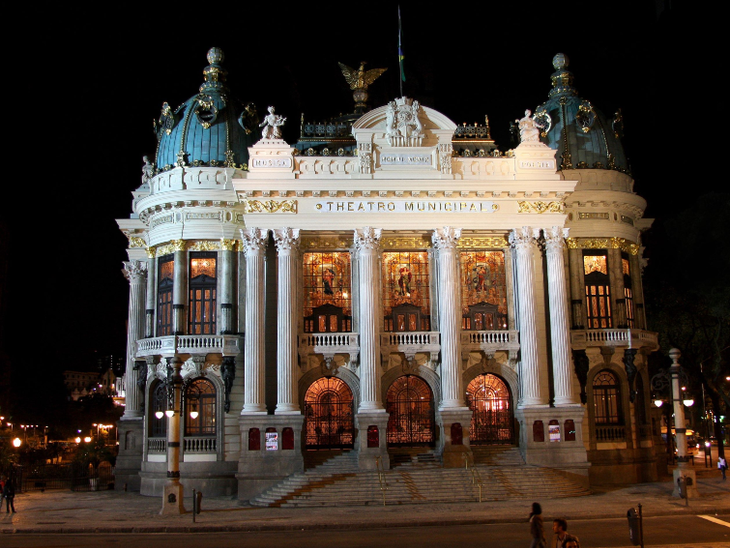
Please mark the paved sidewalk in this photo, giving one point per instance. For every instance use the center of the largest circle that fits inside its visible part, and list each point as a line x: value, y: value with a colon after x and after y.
x: 118, y: 512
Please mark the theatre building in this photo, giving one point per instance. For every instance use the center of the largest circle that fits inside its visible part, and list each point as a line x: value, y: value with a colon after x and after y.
x: 390, y: 282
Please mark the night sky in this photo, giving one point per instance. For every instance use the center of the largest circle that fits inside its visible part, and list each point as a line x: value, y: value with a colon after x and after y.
x: 83, y: 98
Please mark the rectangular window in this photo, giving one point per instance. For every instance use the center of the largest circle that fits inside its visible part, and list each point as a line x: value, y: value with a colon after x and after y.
x: 598, y: 293
x: 406, y: 294
x: 165, y: 276
x: 483, y: 290
x: 327, y: 292
x: 202, y: 288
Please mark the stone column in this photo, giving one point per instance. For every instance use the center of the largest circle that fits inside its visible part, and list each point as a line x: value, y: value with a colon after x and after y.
x: 524, y: 241
x: 559, y: 330
x: 287, y: 242
x: 180, y: 289
x: 136, y: 274
x: 616, y: 282
x: 151, y: 297
x: 254, y: 243
x: 227, y: 283
x: 452, y: 393
x: 367, y: 243
x: 172, y: 494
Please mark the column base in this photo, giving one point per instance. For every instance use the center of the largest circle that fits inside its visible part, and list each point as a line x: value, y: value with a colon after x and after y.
x: 172, y: 499
x: 129, y: 459
x: 371, y: 441
x: 690, y: 479
x: 267, y: 460
x: 454, y: 424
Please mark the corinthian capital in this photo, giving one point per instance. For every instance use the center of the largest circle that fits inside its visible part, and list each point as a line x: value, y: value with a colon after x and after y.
x: 135, y: 271
x: 254, y: 239
x: 286, y: 239
x: 446, y: 237
x: 555, y: 238
x: 524, y: 238
x: 368, y: 238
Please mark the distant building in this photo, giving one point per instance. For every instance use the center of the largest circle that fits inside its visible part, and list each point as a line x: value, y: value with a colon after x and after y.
x: 396, y: 282
x: 80, y: 384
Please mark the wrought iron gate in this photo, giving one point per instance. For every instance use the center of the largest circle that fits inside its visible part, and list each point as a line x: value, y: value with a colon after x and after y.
x: 410, y: 404
x: 492, y: 420
x: 328, y: 414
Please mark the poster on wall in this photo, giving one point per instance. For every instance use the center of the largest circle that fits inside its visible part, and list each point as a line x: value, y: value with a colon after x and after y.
x: 554, y: 432
x: 272, y: 441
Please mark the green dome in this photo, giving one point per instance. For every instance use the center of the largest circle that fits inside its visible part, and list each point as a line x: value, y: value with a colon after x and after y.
x: 583, y: 136
x: 209, y: 129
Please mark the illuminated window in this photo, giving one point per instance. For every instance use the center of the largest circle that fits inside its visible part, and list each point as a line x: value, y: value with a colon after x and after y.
x: 598, y: 296
x: 165, y: 272
x: 628, y: 290
x: 200, y: 408
x: 202, y: 304
x: 158, y: 404
x: 484, y: 291
x: 327, y: 293
x: 406, y: 299
x: 606, y: 398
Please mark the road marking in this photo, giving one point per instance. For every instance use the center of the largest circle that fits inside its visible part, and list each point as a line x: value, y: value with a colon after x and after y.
x: 714, y: 520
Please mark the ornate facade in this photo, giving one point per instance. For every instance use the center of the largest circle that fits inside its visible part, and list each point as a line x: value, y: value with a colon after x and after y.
x: 416, y: 287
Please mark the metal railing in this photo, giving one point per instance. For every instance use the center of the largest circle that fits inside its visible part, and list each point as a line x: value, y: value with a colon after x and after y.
x: 476, y: 478
x: 381, y: 477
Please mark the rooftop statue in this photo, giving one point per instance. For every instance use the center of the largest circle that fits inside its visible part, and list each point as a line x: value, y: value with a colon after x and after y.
x: 529, y: 128
x: 359, y: 80
x: 272, y: 125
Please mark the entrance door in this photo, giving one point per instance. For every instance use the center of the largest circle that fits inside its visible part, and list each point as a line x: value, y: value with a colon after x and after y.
x: 328, y: 415
x: 492, y: 420
x: 410, y: 404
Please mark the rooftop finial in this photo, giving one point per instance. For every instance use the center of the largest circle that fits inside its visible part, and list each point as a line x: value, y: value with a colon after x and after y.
x: 562, y: 78
x: 215, y: 74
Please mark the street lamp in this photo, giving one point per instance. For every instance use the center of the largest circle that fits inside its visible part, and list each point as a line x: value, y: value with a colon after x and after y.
x: 17, y: 442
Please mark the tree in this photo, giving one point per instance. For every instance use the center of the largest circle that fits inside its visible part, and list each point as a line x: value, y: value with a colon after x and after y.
x: 688, y: 294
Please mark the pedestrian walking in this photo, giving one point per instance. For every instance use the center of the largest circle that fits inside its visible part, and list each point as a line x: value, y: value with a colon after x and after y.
x: 2, y: 487
x: 9, y: 495
x: 536, y: 527
x: 560, y: 528
x: 722, y: 465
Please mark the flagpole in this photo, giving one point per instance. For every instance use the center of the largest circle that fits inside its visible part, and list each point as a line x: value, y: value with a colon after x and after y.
x: 400, y: 53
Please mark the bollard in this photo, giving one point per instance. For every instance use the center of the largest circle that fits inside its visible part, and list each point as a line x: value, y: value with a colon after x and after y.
x: 198, y: 500
x: 682, y: 486
x: 195, y: 501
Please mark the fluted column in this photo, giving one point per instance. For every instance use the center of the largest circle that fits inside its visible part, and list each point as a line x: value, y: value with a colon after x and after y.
x: 136, y: 274
x: 559, y: 327
x: 524, y: 241
x: 367, y: 243
x: 254, y: 243
x: 445, y: 240
x: 180, y: 288
x: 287, y: 243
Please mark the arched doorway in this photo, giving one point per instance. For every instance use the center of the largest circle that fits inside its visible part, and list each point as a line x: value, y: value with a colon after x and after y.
x: 410, y: 404
x: 328, y: 414
x: 492, y: 420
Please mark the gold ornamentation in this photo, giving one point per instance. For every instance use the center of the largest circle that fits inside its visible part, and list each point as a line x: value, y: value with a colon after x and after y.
x: 325, y: 242
x: 414, y: 242
x: 540, y: 207
x: 270, y: 206
x: 486, y: 242
x: 136, y: 241
x: 229, y: 245
x: 603, y: 243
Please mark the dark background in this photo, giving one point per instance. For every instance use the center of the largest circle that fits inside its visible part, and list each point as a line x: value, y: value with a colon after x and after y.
x: 83, y: 87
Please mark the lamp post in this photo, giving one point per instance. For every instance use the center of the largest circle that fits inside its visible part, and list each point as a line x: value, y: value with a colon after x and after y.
x: 683, y: 472
x: 172, y: 493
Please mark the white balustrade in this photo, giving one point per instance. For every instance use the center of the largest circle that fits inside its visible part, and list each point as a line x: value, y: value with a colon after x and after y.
x: 189, y: 344
x: 199, y: 445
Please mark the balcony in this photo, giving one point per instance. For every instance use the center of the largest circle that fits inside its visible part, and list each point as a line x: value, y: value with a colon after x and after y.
x: 620, y: 338
x: 411, y: 343
x: 329, y: 344
x: 227, y: 345
x: 490, y: 342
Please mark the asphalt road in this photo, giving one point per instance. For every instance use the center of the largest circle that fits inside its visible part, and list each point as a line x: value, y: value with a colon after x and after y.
x: 685, y: 531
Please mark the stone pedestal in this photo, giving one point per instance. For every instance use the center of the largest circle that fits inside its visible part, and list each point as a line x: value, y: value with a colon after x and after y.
x: 129, y: 459
x: 453, y: 450
x: 172, y: 499
x: 264, y: 462
x: 369, y: 447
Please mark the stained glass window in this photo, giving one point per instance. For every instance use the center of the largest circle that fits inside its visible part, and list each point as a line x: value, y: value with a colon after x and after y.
x: 327, y: 292
x: 484, y: 290
x: 165, y: 274
x: 406, y: 296
x: 202, y: 305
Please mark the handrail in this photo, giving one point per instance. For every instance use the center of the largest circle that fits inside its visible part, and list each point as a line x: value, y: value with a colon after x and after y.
x: 381, y: 477
x: 476, y: 478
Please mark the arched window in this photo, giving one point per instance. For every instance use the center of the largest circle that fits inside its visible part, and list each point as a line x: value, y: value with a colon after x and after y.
x: 598, y: 293
x: 328, y: 414
x: 200, y: 406
x: 606, y: 401
x: 202, y: 305
x: 411, y: 412
x: 489, y: 399
x: 158, y: 406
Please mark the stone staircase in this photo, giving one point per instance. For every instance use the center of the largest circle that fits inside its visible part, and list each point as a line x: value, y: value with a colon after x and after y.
x: 338, y: 482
